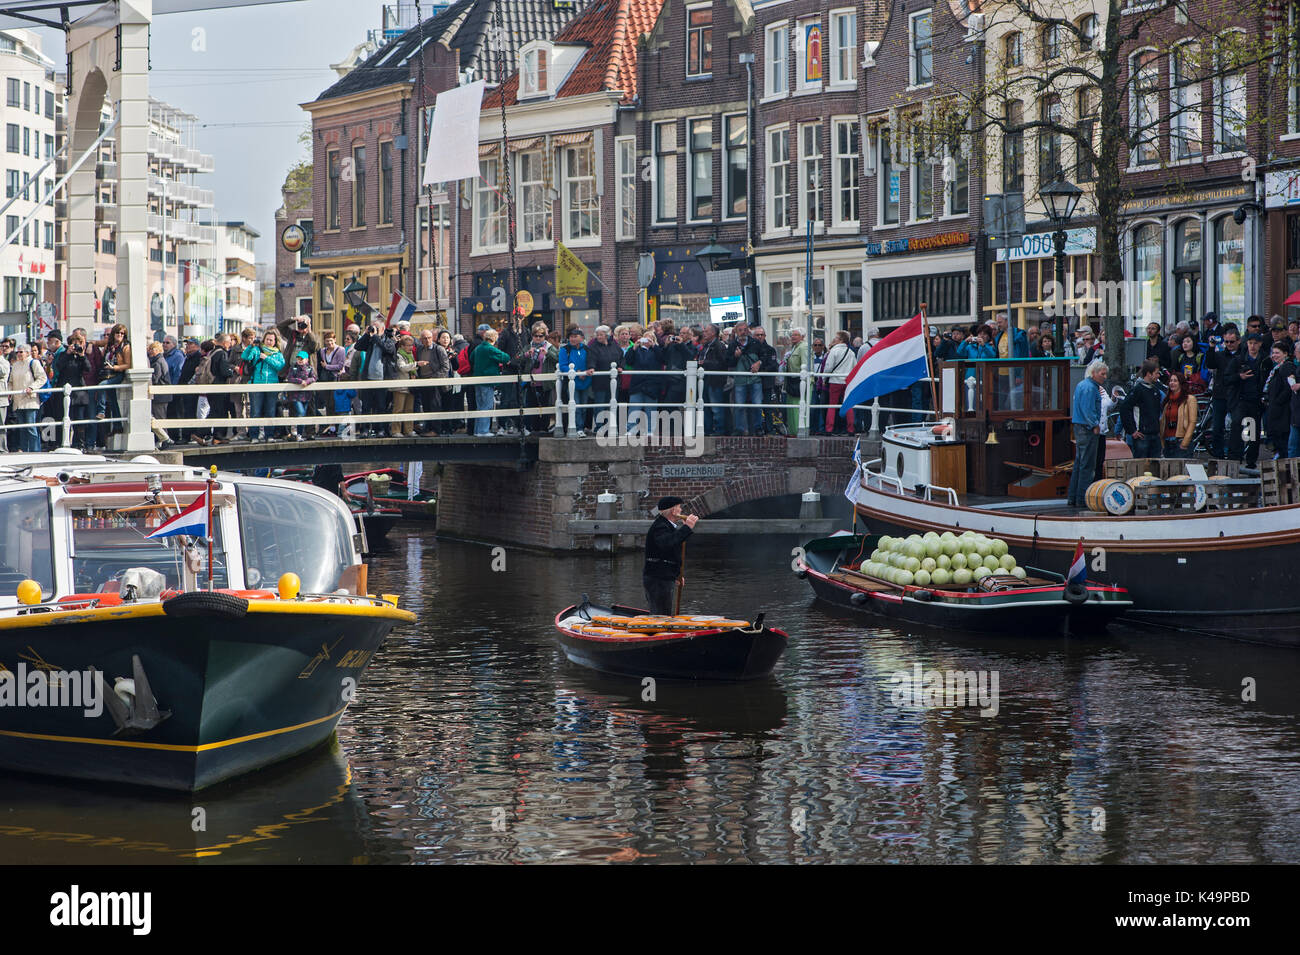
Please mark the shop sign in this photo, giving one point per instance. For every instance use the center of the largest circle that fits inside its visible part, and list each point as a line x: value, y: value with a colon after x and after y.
x: 1201, y: 197
x: 694, y: 470
x: 1281, y: 189
x: 919, y: 244
x: 1038, y: 245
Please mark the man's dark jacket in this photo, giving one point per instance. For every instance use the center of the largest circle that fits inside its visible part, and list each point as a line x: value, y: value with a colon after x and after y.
x: 663, y: 549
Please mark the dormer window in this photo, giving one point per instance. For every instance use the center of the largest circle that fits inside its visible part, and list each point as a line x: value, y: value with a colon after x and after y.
x: 535, y: 73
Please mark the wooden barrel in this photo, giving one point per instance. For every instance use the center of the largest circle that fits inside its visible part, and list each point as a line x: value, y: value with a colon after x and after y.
x: 1110, y: 496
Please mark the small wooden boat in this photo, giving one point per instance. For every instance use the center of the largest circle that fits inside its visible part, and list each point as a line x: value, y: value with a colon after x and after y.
x: 1042, y: 604
x: 386, y: 488
x: 631, y: 642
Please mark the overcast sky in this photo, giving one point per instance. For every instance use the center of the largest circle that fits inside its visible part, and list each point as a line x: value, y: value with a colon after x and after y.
x: 244, y: 74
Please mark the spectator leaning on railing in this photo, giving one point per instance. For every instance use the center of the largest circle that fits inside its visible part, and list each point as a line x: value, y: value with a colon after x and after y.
x: 539, y: 358
x: 604, y: 354
x: 162, y: 376
x: 745, y: 358
x: 769, y: 419
x: 303, y: 375
x: 71, y: 368
x: 487, y: 360
x: 263, y: 363
x: 403, y: 401
x: 574, y: 355
x: 645, y: 390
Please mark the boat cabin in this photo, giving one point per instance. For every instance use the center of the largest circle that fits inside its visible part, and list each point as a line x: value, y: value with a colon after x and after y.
x: 75, y: 523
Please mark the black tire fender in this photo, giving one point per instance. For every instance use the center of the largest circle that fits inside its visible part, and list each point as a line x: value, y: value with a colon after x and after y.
x: 1076, y: 593
x: 923, y: 595
x: 858, y: 598
x: 202, y: 603
x: 802, y: 573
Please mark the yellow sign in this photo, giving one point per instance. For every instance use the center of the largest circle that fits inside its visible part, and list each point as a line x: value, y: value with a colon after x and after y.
x: 570, y: 273
x: 524, y: 302
x: 568, y: 301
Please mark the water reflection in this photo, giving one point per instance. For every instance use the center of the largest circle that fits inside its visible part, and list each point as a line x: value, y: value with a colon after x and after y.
x: 475, y: 739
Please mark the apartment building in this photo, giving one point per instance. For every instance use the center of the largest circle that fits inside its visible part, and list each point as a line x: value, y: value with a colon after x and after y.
x: 33, y: 98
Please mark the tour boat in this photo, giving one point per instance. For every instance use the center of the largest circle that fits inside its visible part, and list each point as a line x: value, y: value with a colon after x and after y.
x: 386, y: 488
x: 1041, y: 605
x: 635, y: 643
x: 377, y: 521
x: 174, y: 661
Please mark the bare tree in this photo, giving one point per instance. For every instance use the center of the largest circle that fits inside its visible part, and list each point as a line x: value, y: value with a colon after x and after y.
x: 1126, y: 84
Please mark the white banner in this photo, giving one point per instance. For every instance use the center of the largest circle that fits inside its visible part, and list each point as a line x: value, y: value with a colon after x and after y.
x: 414, y: 475
x: 453, y: 135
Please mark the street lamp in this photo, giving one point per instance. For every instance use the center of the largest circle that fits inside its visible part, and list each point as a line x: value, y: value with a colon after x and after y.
x: 1060, y: 198
x: 712, y: 254
x: 28, y: 298
x: 354, y: 294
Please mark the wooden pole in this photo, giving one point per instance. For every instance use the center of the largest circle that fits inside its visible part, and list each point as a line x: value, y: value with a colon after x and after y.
x: 929, y: 362
x: 681, y: 576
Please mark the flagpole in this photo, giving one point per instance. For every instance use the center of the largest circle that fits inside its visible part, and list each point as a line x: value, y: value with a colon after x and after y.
x: 211, y: 529
x: 929, y: 362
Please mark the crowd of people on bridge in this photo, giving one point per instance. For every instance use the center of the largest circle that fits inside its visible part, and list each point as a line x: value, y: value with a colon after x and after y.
x: 1207, y: 376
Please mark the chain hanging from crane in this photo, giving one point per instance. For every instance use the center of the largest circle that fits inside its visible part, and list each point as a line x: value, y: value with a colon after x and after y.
x: 422, y: 130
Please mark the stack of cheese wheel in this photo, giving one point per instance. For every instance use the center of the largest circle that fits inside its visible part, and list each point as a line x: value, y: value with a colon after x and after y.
x: 940, y: 560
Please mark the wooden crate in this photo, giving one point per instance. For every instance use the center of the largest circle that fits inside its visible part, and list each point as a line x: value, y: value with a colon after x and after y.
x: 1164, y: 468
x: 1280, y: 481
x: 1178, y: 497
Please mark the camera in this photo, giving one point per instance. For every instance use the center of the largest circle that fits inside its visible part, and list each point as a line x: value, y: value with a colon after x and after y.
x: 302, y: 324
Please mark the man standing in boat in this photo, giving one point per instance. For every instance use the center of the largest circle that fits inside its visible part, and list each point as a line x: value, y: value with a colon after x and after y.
x: 664, y: 549
x: 1085, y: 416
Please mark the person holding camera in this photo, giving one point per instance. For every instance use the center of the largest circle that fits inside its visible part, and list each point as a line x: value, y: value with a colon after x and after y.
x: 70, y: 367
x: 378, y: 361
x: 296, y: 335
x: 263, y: 362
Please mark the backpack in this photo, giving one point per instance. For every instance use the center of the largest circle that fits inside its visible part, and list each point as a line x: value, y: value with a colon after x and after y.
x: 462, y: 362
x: 203, y: 373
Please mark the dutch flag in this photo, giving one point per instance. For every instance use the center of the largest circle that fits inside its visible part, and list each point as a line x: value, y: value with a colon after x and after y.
x: 895, y: 362
x: 192, y: 522
x: 399, y: 310
x: 1078, y: 573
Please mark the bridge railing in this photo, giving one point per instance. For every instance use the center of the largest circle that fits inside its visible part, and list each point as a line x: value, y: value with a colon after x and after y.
x: 64, y: 427
x: 566, y: 403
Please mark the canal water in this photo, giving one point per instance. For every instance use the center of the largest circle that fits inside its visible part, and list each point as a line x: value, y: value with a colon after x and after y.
x: 475, y: 740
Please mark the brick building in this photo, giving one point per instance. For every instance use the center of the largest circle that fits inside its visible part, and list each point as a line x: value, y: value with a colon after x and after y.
x: 696, y: 155
x: 1192, y: 239
x: 572, y: 170
x: 371, y: 220
x: 924, y: 225
x: 809, y: 89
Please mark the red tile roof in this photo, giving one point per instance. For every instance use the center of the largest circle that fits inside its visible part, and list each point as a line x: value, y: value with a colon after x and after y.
x: 610, y: 29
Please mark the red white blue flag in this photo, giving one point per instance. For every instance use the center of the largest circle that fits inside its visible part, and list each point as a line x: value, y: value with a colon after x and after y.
x: 192, y: 522
x: 1078, y: 573
x: 399, y: 310
x: 897, y: 360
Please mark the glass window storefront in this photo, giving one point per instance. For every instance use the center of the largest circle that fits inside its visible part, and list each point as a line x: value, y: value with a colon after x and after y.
x: 1229, y: 270
x: 1148, y: 273
x: 1188, y: 288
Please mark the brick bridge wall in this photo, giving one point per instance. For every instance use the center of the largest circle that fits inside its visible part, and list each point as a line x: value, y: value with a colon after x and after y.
x: 533, y: 508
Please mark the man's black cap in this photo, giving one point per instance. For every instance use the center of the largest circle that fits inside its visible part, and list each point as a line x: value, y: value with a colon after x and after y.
x: 667, y: 502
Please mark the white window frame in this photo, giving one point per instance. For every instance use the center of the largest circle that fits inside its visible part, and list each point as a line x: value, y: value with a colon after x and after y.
x: 1221, y: 147
x: 777, y: 175
x: 625, y: 171
x: 803, y: 85
x: 530, y: 189
x: 776, y: 69
x: 918, y: 168
x: 701, y: 73
x: 691, y: 154
x: 838, y: 185
x: 845, y: 53
x: 1184, y: 107
x: 574, y: 187
x: 661, y: 181
x: 811, y: 210
x: 727, y: 151
x: 914, y: 80
x: 488, y: 206
x: 952, y: 155
x: 883, y: 154
x: 529, y: 87
x: 1137, y: 92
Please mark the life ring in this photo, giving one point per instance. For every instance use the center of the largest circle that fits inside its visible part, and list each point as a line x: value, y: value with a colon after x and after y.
x: 1076, y: 593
